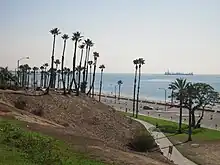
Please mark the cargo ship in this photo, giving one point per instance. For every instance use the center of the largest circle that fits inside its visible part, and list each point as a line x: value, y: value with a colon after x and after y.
x: 178, y: 73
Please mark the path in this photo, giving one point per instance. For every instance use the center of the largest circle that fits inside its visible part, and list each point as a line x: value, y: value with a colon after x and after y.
x: 163, y: 143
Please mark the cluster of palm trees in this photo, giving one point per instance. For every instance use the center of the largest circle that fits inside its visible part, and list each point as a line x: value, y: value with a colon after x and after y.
x: 79, y: 73
x: 7, y: 79
x: 193, y: 96
x: 138, y: 63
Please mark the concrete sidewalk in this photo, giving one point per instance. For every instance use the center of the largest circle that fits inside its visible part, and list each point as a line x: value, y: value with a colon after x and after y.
x: 164, y: 144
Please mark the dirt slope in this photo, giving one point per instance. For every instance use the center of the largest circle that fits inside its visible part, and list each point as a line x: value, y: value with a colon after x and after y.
x: 83, y: 122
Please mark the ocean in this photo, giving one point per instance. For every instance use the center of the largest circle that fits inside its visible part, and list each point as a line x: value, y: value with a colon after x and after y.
x: 150, y: 84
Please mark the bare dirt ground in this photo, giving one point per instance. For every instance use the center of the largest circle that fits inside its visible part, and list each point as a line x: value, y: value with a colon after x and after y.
x: 87, y: 125
x: 201, y: 152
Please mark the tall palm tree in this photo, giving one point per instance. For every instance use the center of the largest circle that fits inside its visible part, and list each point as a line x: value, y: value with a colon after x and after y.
x: 55, y: 32
x: 45, y: 74
x: 95, y: 55
x: 75, y: 38
x: 179, y: 87
x: 65, y: 37
x: 57, y: 63
x: 90, y: 73
x: 119, y: 88
x: 42, y: 75
x: 141, y: 62
x: 89, y: 44
x: 135, y: 62
x: 82, y: 46
x: 35, y: 70
x: 102, y: 67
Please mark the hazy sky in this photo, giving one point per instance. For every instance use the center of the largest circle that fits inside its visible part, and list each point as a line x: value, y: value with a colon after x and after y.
x: 182, y: 35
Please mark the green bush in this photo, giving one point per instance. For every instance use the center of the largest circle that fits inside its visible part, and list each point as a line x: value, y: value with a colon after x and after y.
x: 22, y: 147
x: 142, y: 142
x: 37, y: 148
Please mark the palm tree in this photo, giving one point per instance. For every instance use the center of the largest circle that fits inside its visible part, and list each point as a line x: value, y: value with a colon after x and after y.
x: 95, y: 55
x: 42, y: 75
x: 179, y: 87
x: 45, y: 74
x: 135, y: 62
x: 119, y: 88
x: 35, y: 70
x: 80, y: 64
x: 90, y: 72
x: 102, y: 67
x: 25, y: 74
x: 89, y: 44
x: 54, y: 32
x: 21, y: 67
x: 141, y: 62
x: 64, y: 37
x: 57, y: 63
x: 76, y: 38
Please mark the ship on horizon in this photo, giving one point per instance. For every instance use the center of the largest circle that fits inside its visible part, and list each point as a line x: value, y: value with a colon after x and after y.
x: 178, y: 73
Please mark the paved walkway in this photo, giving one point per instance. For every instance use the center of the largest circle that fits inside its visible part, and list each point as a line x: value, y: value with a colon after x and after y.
x: 163, y: 143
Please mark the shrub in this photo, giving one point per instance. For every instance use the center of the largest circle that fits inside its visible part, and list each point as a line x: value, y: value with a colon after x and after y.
x: 38, y: 112
x: 39, y: 149
x: 142, y: 142
x: 20, y: 103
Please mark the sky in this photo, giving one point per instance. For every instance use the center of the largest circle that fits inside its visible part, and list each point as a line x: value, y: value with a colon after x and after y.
x: 179, y: 35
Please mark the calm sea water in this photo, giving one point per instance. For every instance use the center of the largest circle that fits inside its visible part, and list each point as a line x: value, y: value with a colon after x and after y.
x: 150, y: 84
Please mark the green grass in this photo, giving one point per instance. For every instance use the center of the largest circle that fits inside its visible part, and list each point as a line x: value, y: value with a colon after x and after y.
x: 170, y: 128
x: 21, y: 147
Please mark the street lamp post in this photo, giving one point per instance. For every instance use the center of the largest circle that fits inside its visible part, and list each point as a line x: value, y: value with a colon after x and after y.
x: 165, y: 97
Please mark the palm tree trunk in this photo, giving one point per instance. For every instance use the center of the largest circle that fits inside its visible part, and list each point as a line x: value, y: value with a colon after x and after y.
x: 190, y: 126
x: 58, y: 83
x: 74, y: 69
x: 28, y: 81
x: 51, y: 69
x: 68, y: 80
x: 80, y: 65
x: 87, y: 68
x: 22, y: 78
x: 134, y: 92
x: 45, y: 78
x: 41, y: 79
x: 193, y: 118
x: 138, y: 90
x: 34, y: 79
x: 93, y: 80
x: 200, y: 119
x: 85, y: 60
x: 100, y: 87
x: 180, y: 117
x: 119, y: 91
x: 62, y: 67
